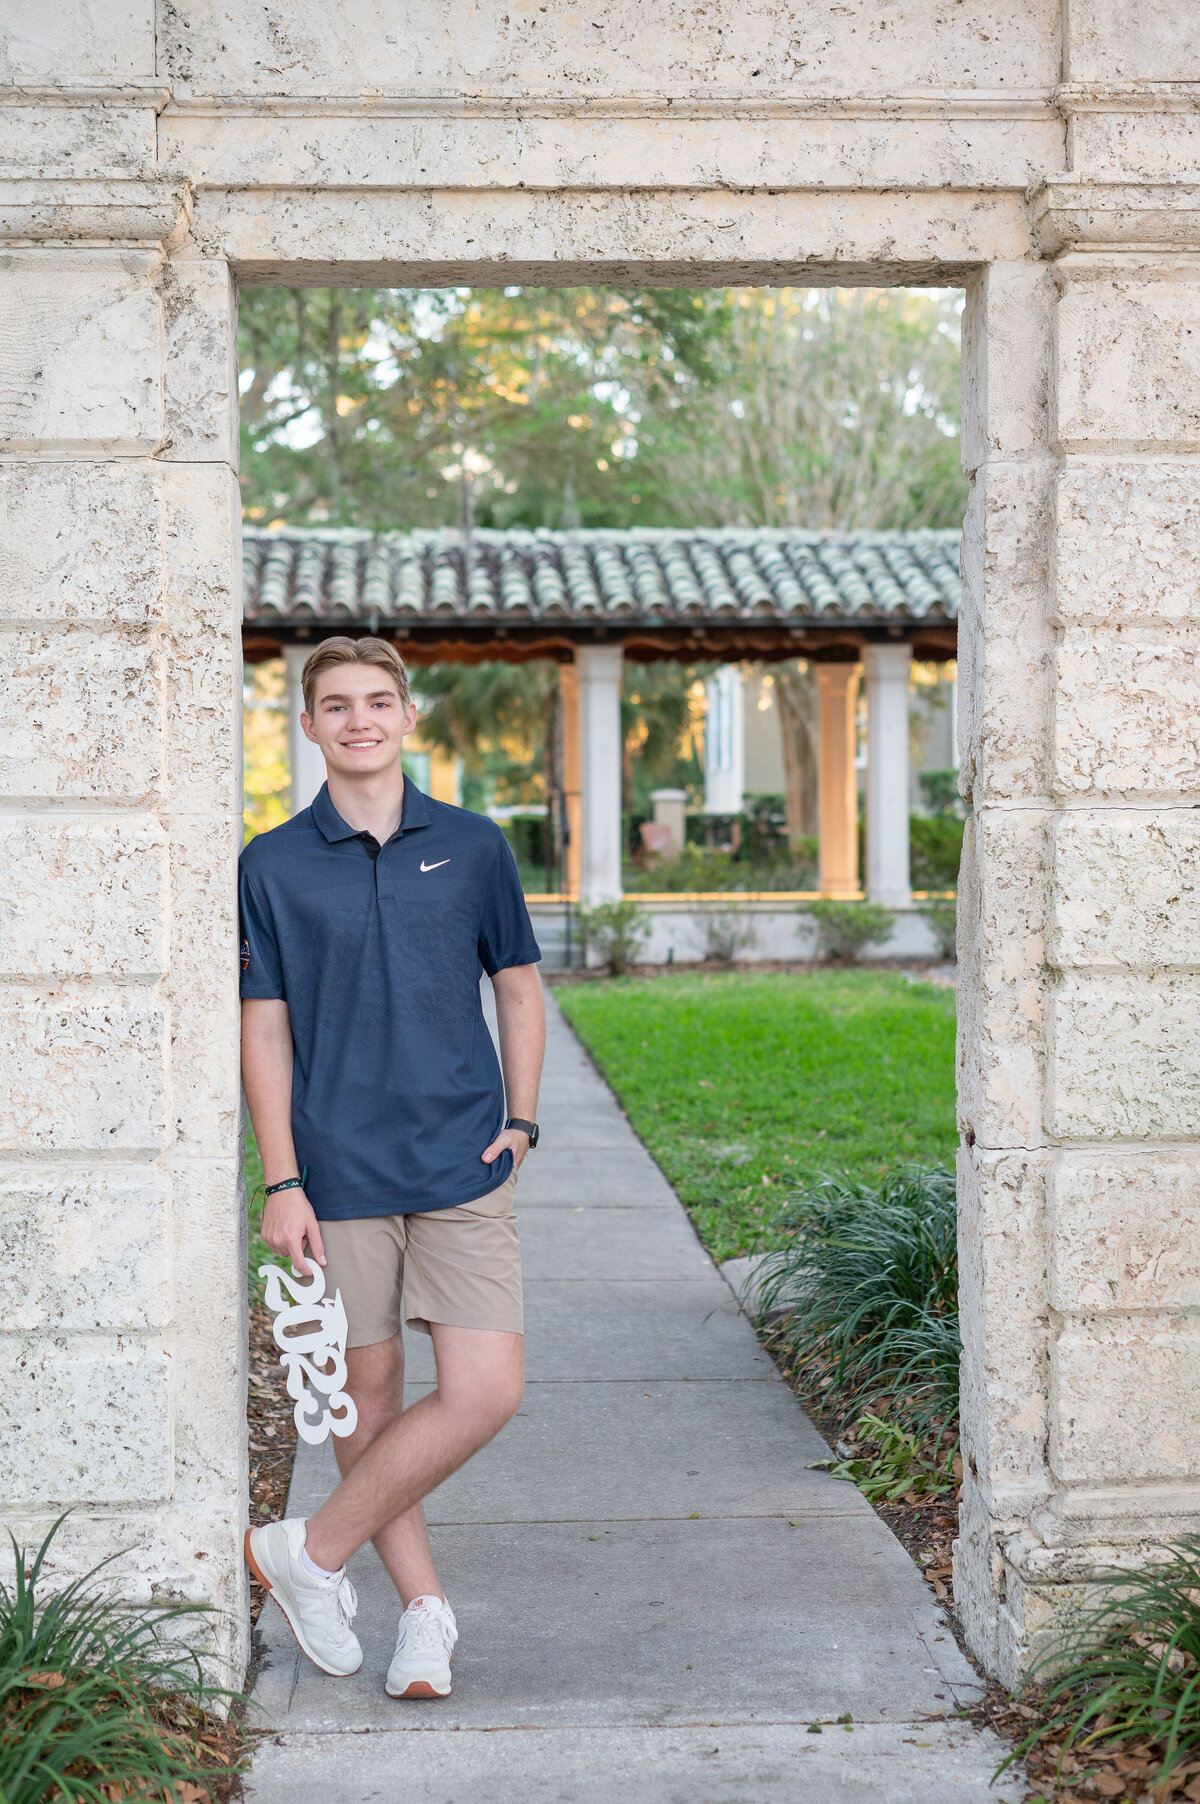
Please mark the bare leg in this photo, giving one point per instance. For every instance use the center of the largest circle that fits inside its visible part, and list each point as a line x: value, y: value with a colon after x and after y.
x: 376, y: 1382
x: 480, y: 1374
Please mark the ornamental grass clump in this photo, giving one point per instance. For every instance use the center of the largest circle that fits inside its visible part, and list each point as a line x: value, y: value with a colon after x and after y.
x: 100, y: 1700
x: 1119, y: 1691
x: 865, y: 1287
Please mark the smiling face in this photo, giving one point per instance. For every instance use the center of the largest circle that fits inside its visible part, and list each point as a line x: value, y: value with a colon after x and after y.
x: 359, y: 720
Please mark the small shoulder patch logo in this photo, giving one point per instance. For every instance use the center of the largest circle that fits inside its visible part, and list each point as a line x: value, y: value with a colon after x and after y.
x: 245, y: 955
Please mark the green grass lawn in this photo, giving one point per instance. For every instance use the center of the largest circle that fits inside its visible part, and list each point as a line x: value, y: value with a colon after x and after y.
x: 257, y: 1252
x: 742, y: 1085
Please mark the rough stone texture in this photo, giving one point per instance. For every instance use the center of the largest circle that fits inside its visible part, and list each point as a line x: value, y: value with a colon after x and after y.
x: 680, y: 236
x: 85, y: 43
x: 81, y: 715
x: 1001, y: 1021
x: 1127, y: 543
x: 69, y: 552
x: 1124, y: 1233
x: 82, y: 1252
x: 565, y: 49
x: 1109, y: 42
x: 1119, y: 696
x: 84, y: 1070
x: 200, y: 401
x: 143, y: 157
x: 1128, y: 363
x: 1126, y: 888
x: 1125, y: 1056
x: 1005, y: 1319
x: 101, y: 888
x: 79, y: 354
x: 86, y: 1422
x: 120, y: 803
x: 1123, y: 1401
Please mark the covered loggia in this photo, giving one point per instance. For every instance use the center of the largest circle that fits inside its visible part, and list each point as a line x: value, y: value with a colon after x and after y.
x: 859, y: 606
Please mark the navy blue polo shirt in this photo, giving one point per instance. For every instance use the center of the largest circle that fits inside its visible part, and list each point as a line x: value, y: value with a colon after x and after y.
x: 377, y: 951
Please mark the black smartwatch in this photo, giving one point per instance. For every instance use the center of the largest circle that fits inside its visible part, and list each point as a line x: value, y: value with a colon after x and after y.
x: 526, y: 1127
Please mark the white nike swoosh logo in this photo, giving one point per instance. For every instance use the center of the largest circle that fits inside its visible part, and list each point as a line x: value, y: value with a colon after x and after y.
x: 434, y: 867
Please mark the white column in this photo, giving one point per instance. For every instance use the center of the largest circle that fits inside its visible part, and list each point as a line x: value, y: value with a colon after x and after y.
x: 307, y: 764
x: 887, y: 668
x: 599, y: 668
x: 725, y: 743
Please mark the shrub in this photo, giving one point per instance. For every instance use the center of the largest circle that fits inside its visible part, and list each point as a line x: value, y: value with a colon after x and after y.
x: 867, y: 1283
x: 845, y: 928
x: 943, y: 923
x: 939, y: 789
x: 98, y: 1699
x: 935, y: 850
x: 692, y: 868
x: 616, y: 930
x: 1127, y: 1671
x: 724, y: 932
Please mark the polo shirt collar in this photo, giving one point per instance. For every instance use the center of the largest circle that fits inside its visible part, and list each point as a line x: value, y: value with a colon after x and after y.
x: 414, y: 812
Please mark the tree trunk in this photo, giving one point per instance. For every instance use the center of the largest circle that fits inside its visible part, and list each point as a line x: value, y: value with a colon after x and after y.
x: 796, y: 697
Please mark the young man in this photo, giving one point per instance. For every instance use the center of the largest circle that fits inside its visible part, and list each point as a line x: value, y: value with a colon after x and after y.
x: 377, y: 1101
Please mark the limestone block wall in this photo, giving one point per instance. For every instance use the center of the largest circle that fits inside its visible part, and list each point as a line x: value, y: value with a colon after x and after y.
x: 121, y: 1236
x: 1079, y: 1048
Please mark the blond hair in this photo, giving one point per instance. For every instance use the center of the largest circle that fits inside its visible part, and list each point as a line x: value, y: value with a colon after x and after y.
x: 342, y: 650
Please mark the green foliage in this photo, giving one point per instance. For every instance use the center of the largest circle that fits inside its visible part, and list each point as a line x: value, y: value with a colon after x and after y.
x: 705, y: 869
x: 742, y: 1085
x: 1127, y: 1670
x: 257, y: 1251
x: 866, y: 1283
x: 96, y: 1694
x: 943, y: 921
x: 936, y: 848
x: 601, y: 407
x: 939, y: 788
x: 887, y: 1462
x: 724, y: 933
x: 698, y: 869
x: 616, y: 930
x: 424, y: 407
x: 844, y: 929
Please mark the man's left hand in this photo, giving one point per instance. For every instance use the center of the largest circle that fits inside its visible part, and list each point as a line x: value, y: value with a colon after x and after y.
x: 516, y: 1141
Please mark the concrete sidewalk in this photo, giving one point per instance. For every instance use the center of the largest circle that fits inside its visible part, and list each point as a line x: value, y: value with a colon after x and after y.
x: 658, y: 1598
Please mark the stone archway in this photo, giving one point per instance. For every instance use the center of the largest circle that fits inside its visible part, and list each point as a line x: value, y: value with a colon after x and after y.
x: 153, y: 173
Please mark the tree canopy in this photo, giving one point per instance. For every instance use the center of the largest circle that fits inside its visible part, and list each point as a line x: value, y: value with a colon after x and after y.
x: 601, y: 407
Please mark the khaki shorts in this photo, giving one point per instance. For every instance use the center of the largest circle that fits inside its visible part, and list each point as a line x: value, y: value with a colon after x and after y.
x: 460, y: 1266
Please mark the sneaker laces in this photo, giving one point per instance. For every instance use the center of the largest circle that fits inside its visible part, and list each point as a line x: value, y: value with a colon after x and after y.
x: 347, y: 1598
x: 421, y: 1633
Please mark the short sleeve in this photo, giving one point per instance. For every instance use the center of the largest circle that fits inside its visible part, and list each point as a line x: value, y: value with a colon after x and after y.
x: 262, y: 968
x: 505, y: 931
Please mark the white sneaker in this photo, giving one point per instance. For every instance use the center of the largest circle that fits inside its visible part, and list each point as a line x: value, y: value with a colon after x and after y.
x: 319, y: 1611
x: 424, y: 1649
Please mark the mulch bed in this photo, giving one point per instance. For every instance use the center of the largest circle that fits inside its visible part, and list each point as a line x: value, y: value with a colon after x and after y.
x: 272, y: 1434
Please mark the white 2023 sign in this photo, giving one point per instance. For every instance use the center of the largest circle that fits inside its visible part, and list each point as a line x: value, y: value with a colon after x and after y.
x: 316, y: 1359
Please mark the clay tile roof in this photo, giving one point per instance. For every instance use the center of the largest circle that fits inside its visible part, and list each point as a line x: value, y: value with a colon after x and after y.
x: 711, y: 574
